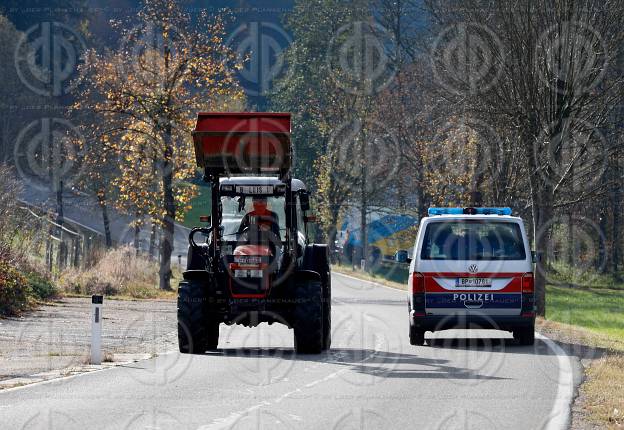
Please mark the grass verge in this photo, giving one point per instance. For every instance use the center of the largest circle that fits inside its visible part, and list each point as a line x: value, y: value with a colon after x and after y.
x: 379, y: 277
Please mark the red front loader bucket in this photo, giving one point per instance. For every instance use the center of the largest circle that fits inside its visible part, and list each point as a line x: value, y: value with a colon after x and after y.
x: 243, y: 142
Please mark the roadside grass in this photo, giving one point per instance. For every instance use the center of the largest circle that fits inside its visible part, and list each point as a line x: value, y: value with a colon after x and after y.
x: 598, y: 310
x: 604, y: 391
x: 388, y: 276
x: 120, y: 273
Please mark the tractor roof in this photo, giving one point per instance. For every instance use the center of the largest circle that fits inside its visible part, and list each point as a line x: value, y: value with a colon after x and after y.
x: 297, y: 185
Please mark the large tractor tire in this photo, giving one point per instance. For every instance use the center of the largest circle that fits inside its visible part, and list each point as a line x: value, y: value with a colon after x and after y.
x: 196, y: 332
x: 308, y: 317
x: 317, y: 260
x: 322, y: 267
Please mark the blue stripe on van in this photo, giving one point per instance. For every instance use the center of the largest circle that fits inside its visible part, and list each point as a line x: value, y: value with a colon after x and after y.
x: 479, y: 300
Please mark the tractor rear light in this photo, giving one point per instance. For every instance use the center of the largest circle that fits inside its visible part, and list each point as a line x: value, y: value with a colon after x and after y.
x: 527, y: 283
x: 416, y: 283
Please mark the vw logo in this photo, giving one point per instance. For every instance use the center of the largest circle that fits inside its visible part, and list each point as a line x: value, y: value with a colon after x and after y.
x: 473, y: 268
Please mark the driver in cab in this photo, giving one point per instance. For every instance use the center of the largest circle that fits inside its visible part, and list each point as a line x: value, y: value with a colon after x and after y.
x: 260, y: 216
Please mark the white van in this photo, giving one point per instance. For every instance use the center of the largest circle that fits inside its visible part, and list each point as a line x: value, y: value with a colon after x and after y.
x: 471, y: 268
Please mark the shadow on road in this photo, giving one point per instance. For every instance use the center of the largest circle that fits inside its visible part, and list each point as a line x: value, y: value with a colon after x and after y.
x: 367, y: 361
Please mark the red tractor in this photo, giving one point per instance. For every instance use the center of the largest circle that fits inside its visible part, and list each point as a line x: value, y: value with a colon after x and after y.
x: 255, y: 263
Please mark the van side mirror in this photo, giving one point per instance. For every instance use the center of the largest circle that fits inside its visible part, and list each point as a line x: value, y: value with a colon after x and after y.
x: 536, y: 256
x: 401, y: 256
x: 304, y: 199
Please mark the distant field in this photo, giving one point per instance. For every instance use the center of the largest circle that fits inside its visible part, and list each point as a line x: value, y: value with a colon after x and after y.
x: 200, y: 206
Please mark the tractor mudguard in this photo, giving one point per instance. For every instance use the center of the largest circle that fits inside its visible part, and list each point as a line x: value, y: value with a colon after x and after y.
x: 196, y: 257
x: 196, y: 275
x: 307, y: 275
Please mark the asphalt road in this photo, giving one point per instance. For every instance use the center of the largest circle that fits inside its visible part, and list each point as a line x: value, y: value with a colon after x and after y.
x: 370, y: 379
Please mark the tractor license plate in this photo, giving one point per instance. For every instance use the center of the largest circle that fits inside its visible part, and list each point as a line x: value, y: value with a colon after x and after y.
x: 473, y: 282
x: 248, y: 273
x: 254, y: 189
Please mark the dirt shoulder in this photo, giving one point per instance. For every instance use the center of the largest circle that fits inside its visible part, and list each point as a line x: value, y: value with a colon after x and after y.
x: 54, y: 340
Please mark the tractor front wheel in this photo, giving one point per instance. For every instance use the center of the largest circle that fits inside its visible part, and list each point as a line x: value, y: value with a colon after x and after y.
x: 308, y: 318
x: 196, y: 332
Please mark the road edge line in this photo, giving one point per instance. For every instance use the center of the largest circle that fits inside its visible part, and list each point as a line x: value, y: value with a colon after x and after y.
x: 377, y: 284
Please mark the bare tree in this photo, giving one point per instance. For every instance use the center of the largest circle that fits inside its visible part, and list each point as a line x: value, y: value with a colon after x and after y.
x: 546, y: 71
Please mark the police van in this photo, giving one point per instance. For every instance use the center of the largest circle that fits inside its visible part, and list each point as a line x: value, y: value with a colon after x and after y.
x: 471, y: 268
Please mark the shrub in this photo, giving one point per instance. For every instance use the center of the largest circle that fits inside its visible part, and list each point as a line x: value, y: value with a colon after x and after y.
x: 14, y: 290
x: 41, y: 286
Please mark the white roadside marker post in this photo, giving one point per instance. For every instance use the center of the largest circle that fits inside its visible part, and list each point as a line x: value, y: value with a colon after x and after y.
x: 96, y: 329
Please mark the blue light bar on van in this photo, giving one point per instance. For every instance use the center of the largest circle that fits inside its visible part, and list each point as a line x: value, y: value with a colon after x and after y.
x: 469, y: 211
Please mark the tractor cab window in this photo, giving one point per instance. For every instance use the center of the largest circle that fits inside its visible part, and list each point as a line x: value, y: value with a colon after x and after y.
x: 234, y: 208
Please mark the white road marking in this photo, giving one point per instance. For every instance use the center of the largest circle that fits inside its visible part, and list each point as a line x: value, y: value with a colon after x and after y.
x: 559, y: 417
x: 221, y: 423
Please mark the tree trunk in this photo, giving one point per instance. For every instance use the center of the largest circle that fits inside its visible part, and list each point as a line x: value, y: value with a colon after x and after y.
x: 542, y: 214
x: 105, y: 220
x: 60, y: 220
x: 152, y: 241
x: 166, y: 244
x: 137, y: 234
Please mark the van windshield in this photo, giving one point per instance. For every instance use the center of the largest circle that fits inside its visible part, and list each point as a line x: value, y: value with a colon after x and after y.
x: 473, y: 240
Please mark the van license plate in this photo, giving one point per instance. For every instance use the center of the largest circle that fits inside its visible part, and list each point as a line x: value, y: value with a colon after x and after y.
x: 473, y: 282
